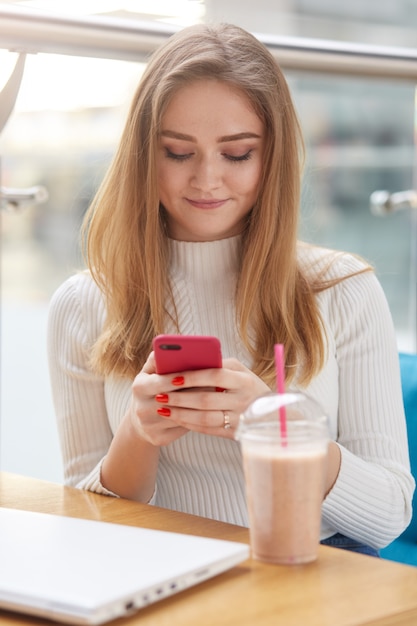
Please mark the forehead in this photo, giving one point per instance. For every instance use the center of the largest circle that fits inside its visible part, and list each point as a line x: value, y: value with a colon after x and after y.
x: 210, y: 102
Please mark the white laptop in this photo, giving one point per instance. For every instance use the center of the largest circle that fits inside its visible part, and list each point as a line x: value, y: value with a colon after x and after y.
x: 90, y: 572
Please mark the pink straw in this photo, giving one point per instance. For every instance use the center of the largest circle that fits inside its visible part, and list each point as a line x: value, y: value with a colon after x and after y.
x: 280, y: 369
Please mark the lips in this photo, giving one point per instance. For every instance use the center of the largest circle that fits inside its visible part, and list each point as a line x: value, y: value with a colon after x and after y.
x: 206, y: 204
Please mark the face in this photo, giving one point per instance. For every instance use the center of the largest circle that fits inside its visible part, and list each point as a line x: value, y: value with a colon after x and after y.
x: 209, y: 161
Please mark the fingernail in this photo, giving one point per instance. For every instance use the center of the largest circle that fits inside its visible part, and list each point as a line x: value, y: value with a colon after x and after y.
x: 220, y: 389
x: 164, y: 411
x: 161, y: 397
x: 177, y: 381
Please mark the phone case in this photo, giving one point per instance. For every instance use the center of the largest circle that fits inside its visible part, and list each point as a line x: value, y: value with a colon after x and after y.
x: 179, y: 353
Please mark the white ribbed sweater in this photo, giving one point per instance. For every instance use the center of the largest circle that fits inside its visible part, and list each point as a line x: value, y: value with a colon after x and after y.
x: 359, y: 388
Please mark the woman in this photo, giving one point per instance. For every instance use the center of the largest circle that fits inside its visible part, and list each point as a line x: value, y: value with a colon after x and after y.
x: 194, y: 231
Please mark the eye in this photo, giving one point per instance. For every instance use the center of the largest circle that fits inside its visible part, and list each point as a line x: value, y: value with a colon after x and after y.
x: 177, y: 157
x: 240, y: 157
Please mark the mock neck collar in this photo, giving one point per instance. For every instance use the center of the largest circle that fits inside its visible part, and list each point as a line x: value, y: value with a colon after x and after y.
x: 205, y: 259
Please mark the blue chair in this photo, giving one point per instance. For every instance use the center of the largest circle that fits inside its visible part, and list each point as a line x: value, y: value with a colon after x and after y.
x: 404, y: 548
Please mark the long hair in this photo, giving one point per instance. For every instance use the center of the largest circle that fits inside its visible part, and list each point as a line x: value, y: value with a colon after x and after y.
x: 124, y: 228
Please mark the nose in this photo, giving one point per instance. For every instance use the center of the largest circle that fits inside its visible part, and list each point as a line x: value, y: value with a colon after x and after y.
x: 207, y: 174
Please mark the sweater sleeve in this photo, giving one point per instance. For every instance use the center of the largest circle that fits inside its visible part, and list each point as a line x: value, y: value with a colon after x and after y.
x: 75, y: 312
x: 371, y: 499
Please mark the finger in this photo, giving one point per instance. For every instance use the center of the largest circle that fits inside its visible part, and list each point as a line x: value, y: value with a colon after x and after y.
x: 224, y: 378
x: 195, y: 379
x: 218, y: 422
x: 206, y: 399
x: 149, y: 366
x: 154, y: 428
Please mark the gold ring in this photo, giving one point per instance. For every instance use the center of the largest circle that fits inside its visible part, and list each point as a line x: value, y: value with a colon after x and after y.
x: 226, y: 423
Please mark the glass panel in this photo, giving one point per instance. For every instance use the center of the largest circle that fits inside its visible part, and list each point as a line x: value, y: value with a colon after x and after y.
x: 66, y: 123
x: 359, y: 137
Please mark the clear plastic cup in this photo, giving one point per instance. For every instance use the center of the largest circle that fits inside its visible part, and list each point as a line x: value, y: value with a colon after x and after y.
x: 285, y: 473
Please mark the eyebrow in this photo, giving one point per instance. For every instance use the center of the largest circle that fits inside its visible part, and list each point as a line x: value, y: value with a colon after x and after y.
x: 244, y: 135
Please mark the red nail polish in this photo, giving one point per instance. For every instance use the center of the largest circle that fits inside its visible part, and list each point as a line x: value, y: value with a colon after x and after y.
x: 164, y: 411
x: 177, y: 381
x: 220, y: 389
x: 161, y: 397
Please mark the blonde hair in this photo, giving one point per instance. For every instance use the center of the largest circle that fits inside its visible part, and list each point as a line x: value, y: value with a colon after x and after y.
x: 124, y: 229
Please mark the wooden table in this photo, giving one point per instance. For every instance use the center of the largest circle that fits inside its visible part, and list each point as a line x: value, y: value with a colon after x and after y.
x: 340, y: 589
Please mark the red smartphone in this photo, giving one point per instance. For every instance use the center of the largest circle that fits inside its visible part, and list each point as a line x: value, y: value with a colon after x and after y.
x: 179, y: 353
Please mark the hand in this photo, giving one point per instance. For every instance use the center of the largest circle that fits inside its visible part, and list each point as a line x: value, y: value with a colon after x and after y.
x: 191, y: 400
x: 159, y: 414
x: 143, y: 415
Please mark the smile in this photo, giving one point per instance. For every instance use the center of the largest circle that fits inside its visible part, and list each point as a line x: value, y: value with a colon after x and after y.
x: 206, y: 204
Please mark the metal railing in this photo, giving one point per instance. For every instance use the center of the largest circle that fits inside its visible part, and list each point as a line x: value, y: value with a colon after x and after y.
x: 383, y: 202
x: 28, y: 31
x: 15, y: 199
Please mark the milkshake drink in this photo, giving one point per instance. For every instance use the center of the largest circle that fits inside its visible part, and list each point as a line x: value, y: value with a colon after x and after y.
x: 285, y: 477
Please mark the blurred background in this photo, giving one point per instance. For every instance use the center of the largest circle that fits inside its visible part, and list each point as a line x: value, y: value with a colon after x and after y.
x: 360, y: 137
